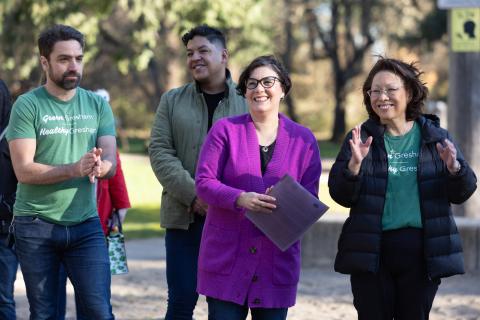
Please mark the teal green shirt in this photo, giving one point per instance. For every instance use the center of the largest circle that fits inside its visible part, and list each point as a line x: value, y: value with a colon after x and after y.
x: 402, y: 203
x: 64, y: 131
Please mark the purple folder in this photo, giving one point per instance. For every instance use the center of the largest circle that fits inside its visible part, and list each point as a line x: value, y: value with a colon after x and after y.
x: 297, y: 209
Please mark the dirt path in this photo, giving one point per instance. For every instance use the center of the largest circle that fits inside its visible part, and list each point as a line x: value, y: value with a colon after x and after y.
x: 322, y: 293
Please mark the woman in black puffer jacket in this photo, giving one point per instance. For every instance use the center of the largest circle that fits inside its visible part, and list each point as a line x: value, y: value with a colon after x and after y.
x: 399, y: 173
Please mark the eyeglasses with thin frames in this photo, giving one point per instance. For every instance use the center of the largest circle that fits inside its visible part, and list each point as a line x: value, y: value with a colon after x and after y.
x: 266, y: 82
x: 390, y: 92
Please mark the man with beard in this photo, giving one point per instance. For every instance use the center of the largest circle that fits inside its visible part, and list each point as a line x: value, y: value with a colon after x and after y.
x: 182, y: 121
x: 61, y: 139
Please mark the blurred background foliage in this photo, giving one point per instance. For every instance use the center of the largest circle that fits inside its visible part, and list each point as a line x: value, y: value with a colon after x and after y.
x: 134, y: 50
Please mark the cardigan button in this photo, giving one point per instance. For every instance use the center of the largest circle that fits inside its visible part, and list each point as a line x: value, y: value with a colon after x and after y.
x: 253, y: 250
x: 255, y: 278
x: 256, y: 301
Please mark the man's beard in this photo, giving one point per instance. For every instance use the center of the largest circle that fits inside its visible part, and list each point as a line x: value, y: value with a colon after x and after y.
x: 67, y: 84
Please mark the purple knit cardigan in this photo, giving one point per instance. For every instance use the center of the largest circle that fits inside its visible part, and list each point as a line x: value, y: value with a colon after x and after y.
x: 237, y: 262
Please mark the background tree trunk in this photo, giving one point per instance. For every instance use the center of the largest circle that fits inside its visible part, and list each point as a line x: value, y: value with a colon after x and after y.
x: 287, y: 55
x: 344, y: 42
x: 338, y: 132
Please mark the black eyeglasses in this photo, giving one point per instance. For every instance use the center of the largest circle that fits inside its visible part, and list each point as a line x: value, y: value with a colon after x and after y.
x: 266, y: 82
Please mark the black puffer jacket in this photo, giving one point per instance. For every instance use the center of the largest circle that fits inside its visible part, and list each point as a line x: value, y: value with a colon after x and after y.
x: 359, y: 243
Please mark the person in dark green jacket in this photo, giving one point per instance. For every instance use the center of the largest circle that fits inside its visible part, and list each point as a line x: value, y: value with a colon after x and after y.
x: 182, y: 120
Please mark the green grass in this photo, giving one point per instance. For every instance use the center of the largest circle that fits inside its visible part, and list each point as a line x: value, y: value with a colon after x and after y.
x: 143, y: 187
x: 143, y: 222
x: 144, y: 190
x: 135, y: 145
x: 328, y: 149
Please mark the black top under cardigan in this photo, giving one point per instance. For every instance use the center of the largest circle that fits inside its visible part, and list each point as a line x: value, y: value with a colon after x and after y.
x: 364, y: 194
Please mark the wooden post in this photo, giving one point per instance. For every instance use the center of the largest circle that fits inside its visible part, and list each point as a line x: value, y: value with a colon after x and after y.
x: 464, y: 114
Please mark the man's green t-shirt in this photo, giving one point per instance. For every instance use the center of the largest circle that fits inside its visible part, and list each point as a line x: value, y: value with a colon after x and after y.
x: 64, y: 131
x: 402, y: 202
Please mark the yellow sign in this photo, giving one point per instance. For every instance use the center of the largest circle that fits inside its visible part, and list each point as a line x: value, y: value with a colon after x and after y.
x: 465, y: 32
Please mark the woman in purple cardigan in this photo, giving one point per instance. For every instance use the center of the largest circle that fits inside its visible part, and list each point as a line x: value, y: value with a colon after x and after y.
x: 239, y: 268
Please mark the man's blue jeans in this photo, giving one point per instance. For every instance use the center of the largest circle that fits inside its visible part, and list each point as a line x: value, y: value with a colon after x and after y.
x: 182, y: 247
x: 62, y: 298
x: 43, y: 246
x: 222, y: 310
x: 8, y: 273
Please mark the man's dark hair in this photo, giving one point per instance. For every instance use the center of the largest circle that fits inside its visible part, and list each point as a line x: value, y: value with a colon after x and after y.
x: 213, y: 35
x: 410, y: 75
x: 58, y: 32
x: 264, y: 61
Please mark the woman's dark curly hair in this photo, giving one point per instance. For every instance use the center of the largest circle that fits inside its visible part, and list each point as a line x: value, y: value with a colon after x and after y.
x: 264, y: 61
x: 410, y: 75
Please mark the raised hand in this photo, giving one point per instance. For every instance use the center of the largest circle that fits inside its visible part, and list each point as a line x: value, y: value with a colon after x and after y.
x: 256, y: 202
x: 448, y: 153
x: 359, y: 150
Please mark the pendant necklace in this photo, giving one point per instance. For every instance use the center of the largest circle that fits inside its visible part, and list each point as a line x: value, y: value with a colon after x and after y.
x: 265, y: 149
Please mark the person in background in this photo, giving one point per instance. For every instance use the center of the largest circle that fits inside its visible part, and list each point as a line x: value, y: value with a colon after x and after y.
x: 239, y: 268
x: 399, y: 173
x: 182, y: 121
x: 8, y: 187
x: 112, y: 195
x: 61, y: 139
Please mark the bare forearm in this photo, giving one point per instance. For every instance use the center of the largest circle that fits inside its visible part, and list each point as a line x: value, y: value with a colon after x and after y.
x: 37, y: 173
x: 28, y: 171
x: 106, y: 162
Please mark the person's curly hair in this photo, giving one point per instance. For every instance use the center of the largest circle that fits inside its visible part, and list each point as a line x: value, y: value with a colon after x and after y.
x: 410, y: 75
